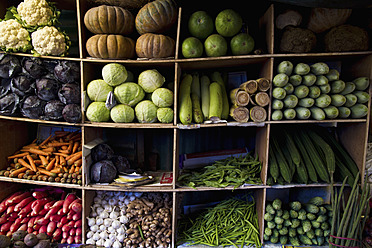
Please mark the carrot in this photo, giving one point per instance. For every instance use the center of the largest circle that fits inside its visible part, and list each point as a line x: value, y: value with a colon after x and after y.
x: 62, y: 160
x: 71, y: 144
x: 65, y: 169
x: 49, y: 149
x: 45, y: 141
x: 38, y: 162
x: 60, y: 154
x: 74, y: 158
x: 21, y: 175
x: 19, y: 155
x: 72, y: 169
x: 75, y: 147
x: 50, y: 165
x: 57, y: 170
x: 47, y: 173
x: 15, y: 173
x: 73, y: 155
x: 44, y: 160
x: 77, y: 169
x: 24, y: 163
x: 38, y: 152
x: 56, y: 144
x: 78, y: 162
x: 32, y: 163
x: 64, y: 151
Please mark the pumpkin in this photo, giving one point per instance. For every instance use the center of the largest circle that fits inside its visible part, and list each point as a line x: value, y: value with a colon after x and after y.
x: 322, y: 19
x: 156, y: 17
x: 110, y: 46
x: 155, y: 46
x: 128, y: 4
x: 109, y: 20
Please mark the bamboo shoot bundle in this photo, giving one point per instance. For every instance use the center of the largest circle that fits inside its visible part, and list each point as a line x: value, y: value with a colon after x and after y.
x: 263, y: 84
x: 258, y: 114
x: 239, y: 113
x: 250, y: 86
x: 239, y: 97
x: 262, y: 99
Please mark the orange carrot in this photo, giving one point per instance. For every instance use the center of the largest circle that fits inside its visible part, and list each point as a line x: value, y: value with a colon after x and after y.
x: 56, y: 144
x: 19, y: 155
x: 45, y: 141
x: 60, y: 154
x: 38, y: 152
x: 38, y: 162
x: 77, y: 169
x: 72, y: 169
x: 75, y: 147
x: 64, y: 151
x: 49, y: 149
x: 18, y: 171
x: 57, y: 170
x: 24, y: 163
x: 50, y: 164
x: 71, y: 144
x: 62, y: 160
x: 46, y: 172
x: 65, y: 169
x: 31, y: 161
x: 78, y: 162
x: 72, y: 159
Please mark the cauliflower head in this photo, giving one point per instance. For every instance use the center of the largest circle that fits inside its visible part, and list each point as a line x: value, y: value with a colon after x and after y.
x: 35, y: 12
x: 49, y: 40
x: 14, y: 38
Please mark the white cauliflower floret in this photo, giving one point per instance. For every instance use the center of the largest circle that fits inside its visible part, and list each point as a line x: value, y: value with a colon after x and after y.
x: 14, y: 37
x: 48, y: 41
x: 35, y: 12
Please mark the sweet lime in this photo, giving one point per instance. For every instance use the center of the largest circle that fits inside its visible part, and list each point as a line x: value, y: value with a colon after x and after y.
x: 215, y: 45
x: 228, y: 23
x: 192, y: 48
x: 241, y: 44
x: 200, y: 24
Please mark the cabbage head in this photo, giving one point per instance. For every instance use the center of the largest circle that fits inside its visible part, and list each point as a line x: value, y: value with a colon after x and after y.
x: 146, y: 112
x: 122, y: 113
x: 129, y: 93
x: 98, y: 90
x: 114, y: 74
x: 165, y: 115
x: 162, y: 97
x: 97, y: 112
x: 150, y: 80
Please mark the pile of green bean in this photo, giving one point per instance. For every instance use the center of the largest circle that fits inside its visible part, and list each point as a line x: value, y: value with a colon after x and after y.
x: 232, y: 222
x: 232, y: 171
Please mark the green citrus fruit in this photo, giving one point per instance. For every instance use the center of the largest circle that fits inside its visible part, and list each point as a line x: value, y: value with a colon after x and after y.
x: 241, y: 44
x: 228, y: 23
x: 192, y: 48
x: 200, y: 24
x: 215, y: 45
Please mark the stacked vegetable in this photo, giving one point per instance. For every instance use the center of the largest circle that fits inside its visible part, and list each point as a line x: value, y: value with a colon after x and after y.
x: 315, y: 91
x: 231, y: 222
x: 119, y: 98
x: 58, y: 158
x: 45, y: 210
x: 21, y: 238
x: 126, y: 219
x: 40, y: 88
x: 298, y: 223
x: 251, y: 94
x: 308, y: 155
x: 232, y: 171
x: 31, y: 27
x: 112, y: 26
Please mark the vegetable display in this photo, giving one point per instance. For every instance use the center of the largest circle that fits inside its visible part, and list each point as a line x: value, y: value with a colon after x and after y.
x: 315, y: 91
x: 231, y: 222
x: 125, y: 219
x: 49, y: 211
x: 35, y: 23
x: 232, y: 171
x: 308, y: 155
x: 58, y: 158
x: 298, y: 223
x: 119, y: 98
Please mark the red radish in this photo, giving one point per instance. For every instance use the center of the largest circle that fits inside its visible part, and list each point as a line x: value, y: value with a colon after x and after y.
x: 3, y: 220
x: 25, y: 220
x: 55, y: 218
x: 66, y: 227
x: 60, y: 212
x: 48, y: 205
x: 42, y: 221
x: 51, y: 227
x: 76, y: 216
x: 62, y: 222
x: 72, y: 232
x: 76, y: 206
x: 14, y: 227
x: 26, y: 209
x: 10, y: 209
x: 78, y: 223
x: 79, y: 231
x: 58, y: 204
x: 23, y: 203
x: 39, y: 204
x: 65, y: 235
x: 23, y: 227
x: 31, y: 222
x: 40, y: 194
x: 77, y: 239
x: 69, y: 199
x: 9, y: 201
x: 63, y: 241
x: 57, y: 235
x: 51, y: 212
x: 5, y: 227
x: 43, y: 212
x: 30, y: 229
x: 70, y: 240
x: 43, y: 229
x: 36, y: 227
x: 70, y: 215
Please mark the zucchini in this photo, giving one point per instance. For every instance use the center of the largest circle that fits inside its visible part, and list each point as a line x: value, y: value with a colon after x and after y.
x: 215, y: 101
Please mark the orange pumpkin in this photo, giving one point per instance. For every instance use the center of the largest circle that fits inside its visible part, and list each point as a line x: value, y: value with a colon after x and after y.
x: 109, y: 20
x: 156, y: 17
x: 155, y: 46
x: 111, y: 46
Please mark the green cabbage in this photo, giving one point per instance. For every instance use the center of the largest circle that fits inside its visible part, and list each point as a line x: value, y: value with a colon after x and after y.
x: 98, y: 90
x: 165, y: 115
x: 122, y: 113
x: 129, y: 93
x: 146, y: 112
x: 114, y: 74
x: 150, y: 80
x: 162, y: 97
x: 97, y: 112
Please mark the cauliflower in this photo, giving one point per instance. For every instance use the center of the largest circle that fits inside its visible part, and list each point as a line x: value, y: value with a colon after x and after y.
x: 49, y: 41
x: 36, y: 13
x: 14, y: 38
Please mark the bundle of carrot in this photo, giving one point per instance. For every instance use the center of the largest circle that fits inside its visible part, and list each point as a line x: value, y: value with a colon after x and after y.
x: 58, y: 158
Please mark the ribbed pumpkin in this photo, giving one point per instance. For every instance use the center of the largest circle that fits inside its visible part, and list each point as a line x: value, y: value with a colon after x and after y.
x: 128, y: 4
x: 109, y: 20
x: 156, y: 17
x: 113, y: 46
x: 155, y: 46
